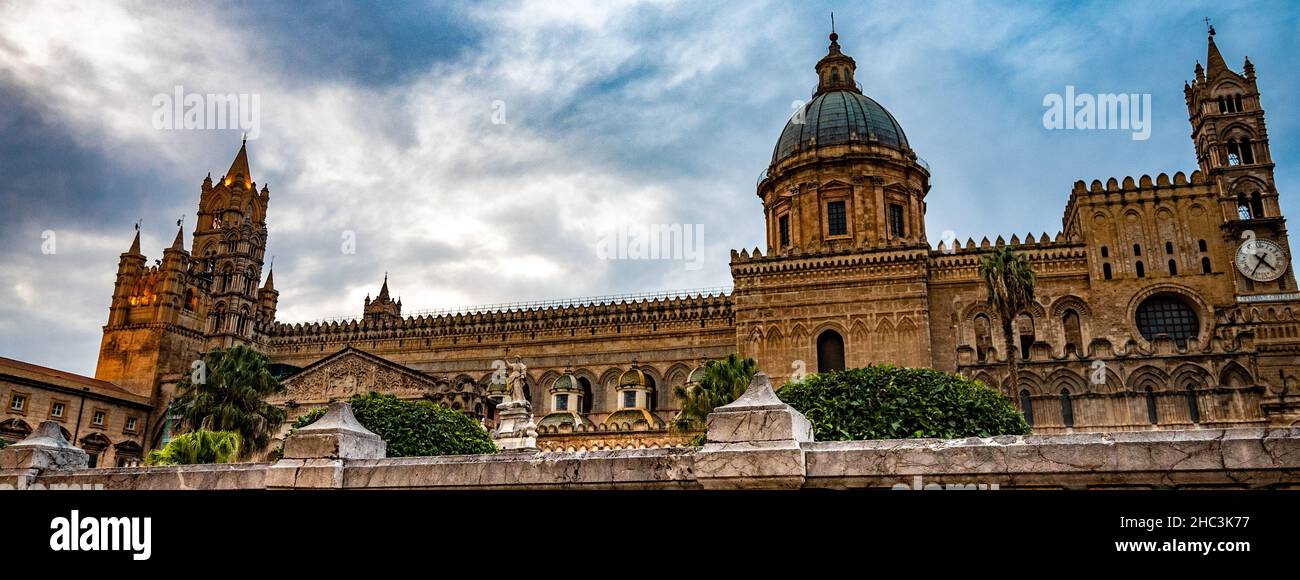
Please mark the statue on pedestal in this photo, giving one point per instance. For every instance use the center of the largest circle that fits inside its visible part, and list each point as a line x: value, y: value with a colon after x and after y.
x: 515, y: 427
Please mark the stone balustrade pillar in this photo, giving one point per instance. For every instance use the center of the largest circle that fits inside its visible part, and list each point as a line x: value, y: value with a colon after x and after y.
x: 44, y: 449
x: 314, y: 455
x: 755, y: 442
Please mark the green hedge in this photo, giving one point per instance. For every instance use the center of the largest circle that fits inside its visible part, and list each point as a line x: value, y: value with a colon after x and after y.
x: 414, y: 428
x: 887, y: 402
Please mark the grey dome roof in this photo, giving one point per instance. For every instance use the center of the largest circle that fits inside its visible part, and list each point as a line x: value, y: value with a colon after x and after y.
x: 836, y: 118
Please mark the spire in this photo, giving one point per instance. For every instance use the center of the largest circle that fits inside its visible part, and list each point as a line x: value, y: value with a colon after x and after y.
x: 270, y: 279
x: 240, y: 167
x: 135, y: 244
x: 179, y: 242
x: 1214, y: 63
x: 383, y: 292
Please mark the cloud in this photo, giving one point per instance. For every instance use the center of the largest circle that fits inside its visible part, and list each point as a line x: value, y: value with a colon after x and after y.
x: 379, y: 123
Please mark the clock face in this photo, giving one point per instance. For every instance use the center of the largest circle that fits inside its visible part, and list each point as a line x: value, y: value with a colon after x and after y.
x: 1262, y: 260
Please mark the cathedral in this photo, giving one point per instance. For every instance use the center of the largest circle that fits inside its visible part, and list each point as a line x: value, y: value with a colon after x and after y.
x: 1164, y: 302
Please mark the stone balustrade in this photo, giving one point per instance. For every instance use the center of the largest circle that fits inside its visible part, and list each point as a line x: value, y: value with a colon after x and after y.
x: 756, y: 442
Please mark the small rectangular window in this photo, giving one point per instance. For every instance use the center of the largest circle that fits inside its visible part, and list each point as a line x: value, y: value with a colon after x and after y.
x: 836, y: 219
x: 783, y: 227
x: 130, y: 424
x: 18, y: 403
x: 629, y: 399
x: 98, y: 418
x: 56, y: 410
x: 896, y: 220
x: 561, y: 402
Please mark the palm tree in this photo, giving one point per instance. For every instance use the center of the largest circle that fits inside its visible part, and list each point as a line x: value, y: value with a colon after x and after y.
x: 230, y: 397
x: 198, y: 447
x: 720, y: 382
x: 1009, y: 280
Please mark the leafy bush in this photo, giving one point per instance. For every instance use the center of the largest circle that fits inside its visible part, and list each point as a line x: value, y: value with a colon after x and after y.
x: 887, y: 402
x: 198, y: 447
x: 414, y: 428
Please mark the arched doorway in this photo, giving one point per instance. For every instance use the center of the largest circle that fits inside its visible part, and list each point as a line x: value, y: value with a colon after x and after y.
x: 830, y: 352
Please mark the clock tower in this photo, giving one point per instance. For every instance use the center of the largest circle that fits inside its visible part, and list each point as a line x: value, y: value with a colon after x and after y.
x: 1232, y: 149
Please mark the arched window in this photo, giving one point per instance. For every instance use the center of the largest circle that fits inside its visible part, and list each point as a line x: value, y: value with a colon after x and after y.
x: 1173, y: 268
x: 1201, y: 244
x: 1141, y: 269
x: 190, y: 302
x: 1243, y: 207
x: 983, y: 341
x: 1169, y: 248
x: 1234, y: 153
x: 1026, y: 333
x: 585, y: 385
x: 1247, y: 152
x: 1167, y: 315
x: 1105, y: 252
x: 1027, y: 406
x: 650, y: 397
x: 1256, y: 205
x: 1151, y: 406
x: 1205, y: 266
x: 1073, y: 333
x: 1193, y: 406
x: 1137, y: 249
x: 830, y: 352
x: 1067, y: 408
x: 1105, y: 271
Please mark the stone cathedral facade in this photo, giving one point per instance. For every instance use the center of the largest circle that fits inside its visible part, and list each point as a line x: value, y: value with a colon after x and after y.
x: 1163, y: 302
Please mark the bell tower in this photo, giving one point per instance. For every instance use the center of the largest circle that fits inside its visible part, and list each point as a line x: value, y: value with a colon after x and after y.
x: 230, y: 240
x: 1232, y: 149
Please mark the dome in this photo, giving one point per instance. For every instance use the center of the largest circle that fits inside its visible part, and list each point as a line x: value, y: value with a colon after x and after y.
x: 839, y: 117
x: 632, y: 378
x: 567, y: 382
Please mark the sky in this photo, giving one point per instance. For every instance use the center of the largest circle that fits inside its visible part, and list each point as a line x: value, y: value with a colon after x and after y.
x: 480, y: 153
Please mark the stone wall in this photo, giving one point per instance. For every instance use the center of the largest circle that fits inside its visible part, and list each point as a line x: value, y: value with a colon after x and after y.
x: 755, y: 443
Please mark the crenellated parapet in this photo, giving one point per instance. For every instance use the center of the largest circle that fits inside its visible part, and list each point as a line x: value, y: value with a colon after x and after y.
x: 1049, y: 255
x: 1144, y: 189
x: 563, y: 319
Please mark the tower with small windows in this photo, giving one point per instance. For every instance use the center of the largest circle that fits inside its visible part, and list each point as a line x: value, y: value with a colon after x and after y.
x: 1232, y: 149
x: 164, y: 315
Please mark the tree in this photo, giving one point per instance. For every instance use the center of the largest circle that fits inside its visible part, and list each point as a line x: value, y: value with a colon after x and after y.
x: 1009, y: 283
x: 887, y: 402
x: 721, y: 382
x: 414, y: 428
x: 227, y: 393
x: 198, y: 447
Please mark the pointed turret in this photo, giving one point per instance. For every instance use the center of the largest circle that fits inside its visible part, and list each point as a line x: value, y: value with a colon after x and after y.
x: 270, y: 280
x: 179, y: 242
x: 383, y: 290
x: 135, y: 245
x: 239, y: 171
x: 1214, y: 62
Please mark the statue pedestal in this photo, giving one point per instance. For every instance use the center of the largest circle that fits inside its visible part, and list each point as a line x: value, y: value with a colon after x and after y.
x: 515, y: 430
